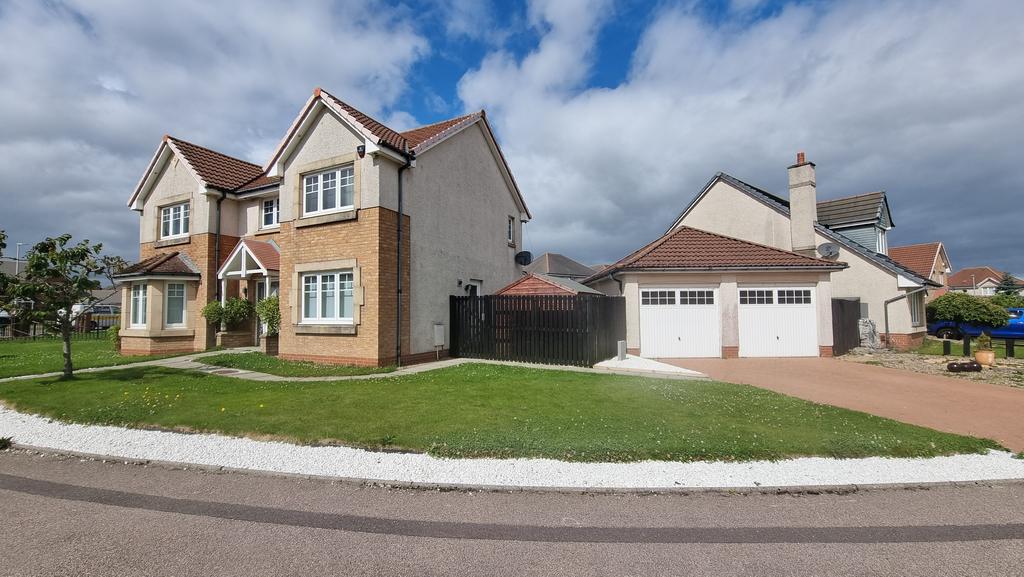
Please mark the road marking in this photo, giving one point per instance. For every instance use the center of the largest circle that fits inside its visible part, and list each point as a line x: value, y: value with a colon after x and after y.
x: 499, y: 532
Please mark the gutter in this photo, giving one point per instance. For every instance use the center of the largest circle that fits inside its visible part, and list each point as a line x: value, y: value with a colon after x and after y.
x: 216, y: 248
x: 885, y: 308
x: 410, y: 160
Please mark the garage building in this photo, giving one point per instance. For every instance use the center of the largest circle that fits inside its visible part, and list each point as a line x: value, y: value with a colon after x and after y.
x: 693, y: 293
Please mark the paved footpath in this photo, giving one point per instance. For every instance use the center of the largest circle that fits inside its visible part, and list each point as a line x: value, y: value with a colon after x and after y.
x: 69, y: 516
x: 943, y: 403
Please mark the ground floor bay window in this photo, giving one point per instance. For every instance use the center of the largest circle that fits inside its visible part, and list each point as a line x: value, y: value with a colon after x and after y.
x: 327, y: 297
x: 138, y: 305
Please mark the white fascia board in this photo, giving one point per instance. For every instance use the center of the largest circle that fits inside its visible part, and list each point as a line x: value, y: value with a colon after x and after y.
x: 905, y: 283
x: 149, y: 277
x: 160, y: 157
x: 303, y: 113
x: 299, y: 128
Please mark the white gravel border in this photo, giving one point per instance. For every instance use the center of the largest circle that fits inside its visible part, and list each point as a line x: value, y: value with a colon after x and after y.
x: 413, y: 468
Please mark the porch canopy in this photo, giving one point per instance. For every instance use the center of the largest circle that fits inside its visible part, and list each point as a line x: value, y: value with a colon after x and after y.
x: 251, y: 258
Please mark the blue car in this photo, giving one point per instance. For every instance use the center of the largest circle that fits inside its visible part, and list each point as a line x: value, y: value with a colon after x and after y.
x: 950, y: 330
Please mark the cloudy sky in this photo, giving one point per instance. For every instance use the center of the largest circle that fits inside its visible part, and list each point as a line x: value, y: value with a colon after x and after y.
x: 611, y: 113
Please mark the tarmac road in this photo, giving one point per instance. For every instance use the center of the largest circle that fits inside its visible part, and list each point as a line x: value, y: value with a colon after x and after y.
x: 69, y: 516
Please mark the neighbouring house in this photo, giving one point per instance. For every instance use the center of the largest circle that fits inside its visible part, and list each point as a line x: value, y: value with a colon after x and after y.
x: 851, y: 230
x: 978, y: 280
x: 543, y: 284
x: 928, y: 260
x: 318, y: 225
x: 559, y: 265
x: 693, y: 293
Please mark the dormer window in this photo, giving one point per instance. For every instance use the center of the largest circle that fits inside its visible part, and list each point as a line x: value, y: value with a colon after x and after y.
x: 329, y: 191
x: 174, y: 220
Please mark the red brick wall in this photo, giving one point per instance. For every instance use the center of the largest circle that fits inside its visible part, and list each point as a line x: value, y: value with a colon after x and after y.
x: 904, y: 342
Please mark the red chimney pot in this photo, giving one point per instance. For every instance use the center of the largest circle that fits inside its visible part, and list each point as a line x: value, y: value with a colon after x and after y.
x: 800, y: 159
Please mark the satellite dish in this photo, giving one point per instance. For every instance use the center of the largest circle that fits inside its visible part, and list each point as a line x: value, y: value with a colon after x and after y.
x: 524, y: 258
x: 828, y: 249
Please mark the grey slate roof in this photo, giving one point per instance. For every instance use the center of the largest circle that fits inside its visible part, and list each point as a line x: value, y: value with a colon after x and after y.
x: 782, y: 206
x: 567, y: 283
x: 554, y: 264
x: 855, y: 209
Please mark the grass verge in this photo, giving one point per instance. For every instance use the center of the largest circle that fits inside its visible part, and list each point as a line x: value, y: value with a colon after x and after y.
x: 480, y: 410
x: 932, y: 346
x: 28, y: 357
x: 262, y: 363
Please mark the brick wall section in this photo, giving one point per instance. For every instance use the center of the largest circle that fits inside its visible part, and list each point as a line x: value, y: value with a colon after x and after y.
x: 730, y: 352
x: 904, y: 342
x: 201, y: 249
x: 370, y: 239
x: 825, y: 351
x: 133, y: 346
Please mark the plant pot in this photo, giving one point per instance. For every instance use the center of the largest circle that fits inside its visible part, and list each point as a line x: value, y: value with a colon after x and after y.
x: 268, y: 345
x: 987, y: 358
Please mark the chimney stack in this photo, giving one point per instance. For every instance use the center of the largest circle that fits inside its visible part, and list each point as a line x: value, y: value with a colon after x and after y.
x: 803, y: 206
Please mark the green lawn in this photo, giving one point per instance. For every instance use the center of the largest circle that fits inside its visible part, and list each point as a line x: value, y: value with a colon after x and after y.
x: 262, y: 363
x: 28, y: 357
x: 482, y: 410
x: 933, y: 346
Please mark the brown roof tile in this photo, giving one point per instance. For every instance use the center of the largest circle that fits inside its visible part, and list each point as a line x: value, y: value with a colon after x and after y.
x: 418, y: 136
x: 265, y: 252
x: 217, y: 169
x: 974, y: 275
x: 260, y: 181
x: 693, y: 249
x: 919, y: 258
x: 171, y: 263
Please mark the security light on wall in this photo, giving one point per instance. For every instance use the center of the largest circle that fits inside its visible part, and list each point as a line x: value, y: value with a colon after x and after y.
x: 361, y: 150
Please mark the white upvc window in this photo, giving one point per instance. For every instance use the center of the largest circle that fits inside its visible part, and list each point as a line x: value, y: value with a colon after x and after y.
x: 917, y: 309
x: 271, y: 213
x: 511, y: 235
x: 327, y: 297
x: 328, y: 191
x: 174, y: 220
x: 174, y: 307
x: 138, y: 306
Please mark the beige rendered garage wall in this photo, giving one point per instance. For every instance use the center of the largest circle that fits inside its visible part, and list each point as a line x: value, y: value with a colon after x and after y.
x: 730, y: 212
x: 728, y: 285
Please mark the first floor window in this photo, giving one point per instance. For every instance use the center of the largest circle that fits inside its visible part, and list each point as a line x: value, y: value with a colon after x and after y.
x: 917, y: 309
x: 329, y: 191
x: 138, y: 305
x: 327, y: 297
x: 271, y: 212
x: 175, y: 304
x: 174, y: 220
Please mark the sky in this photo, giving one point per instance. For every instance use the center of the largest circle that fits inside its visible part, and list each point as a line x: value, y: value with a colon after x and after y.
x: 611, y: 113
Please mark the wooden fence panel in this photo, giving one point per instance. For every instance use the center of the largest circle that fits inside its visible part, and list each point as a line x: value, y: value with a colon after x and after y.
x: 576, y: 330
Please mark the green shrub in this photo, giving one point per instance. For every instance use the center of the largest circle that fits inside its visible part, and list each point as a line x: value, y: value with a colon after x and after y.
x: 984, y: 342
x: 232, y: 313
x: 1008, y: 301
x: 113, y: 333
x: 5, y: 443
x: 964, y: 308
x: 213, y: 312
x: 269, y: 311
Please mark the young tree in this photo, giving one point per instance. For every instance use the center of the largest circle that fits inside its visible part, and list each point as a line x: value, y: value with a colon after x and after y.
x: 112, y: 265
x: 1008, y: 285
x: 59, y: 275
x: 964, y: 308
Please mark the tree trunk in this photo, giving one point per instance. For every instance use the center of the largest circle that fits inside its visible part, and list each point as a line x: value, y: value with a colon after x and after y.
x: 65, y: 333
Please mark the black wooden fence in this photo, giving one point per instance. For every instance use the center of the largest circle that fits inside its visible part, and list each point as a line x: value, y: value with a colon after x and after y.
x: 845, y: 325
x: 576, y: 330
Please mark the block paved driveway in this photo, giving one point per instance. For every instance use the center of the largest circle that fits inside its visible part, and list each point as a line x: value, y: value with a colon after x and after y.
x: 943, y: 403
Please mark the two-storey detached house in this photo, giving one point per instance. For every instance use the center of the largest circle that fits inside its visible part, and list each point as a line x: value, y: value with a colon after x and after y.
x: 319, y: 226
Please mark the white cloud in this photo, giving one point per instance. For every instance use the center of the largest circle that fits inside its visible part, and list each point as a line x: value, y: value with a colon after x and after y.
x: 94, y: 84
x: 919, y: 98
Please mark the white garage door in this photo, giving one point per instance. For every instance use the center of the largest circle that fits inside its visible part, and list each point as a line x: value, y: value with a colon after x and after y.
x: 680, y: 322
x: 778, y: 322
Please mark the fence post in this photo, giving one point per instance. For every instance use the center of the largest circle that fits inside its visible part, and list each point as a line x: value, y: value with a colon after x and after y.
x: 453, y: 330
x: 967, y: 345
x: 1009, y: 348
x: 947, y: 348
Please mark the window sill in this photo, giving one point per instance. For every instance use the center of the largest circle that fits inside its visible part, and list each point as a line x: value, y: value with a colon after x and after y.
x: 268, y: 230
x: 326, y: 218
x: 173, y: 241
x: 325, y: 329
